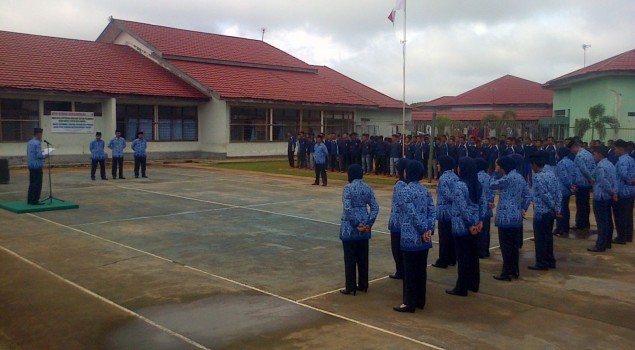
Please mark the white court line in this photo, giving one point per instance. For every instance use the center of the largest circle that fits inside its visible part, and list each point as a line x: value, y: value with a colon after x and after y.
x: 432, y: 346
x: 107, y: 301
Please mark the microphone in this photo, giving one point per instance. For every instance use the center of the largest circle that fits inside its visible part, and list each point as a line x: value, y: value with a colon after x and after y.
x: 48, y: 143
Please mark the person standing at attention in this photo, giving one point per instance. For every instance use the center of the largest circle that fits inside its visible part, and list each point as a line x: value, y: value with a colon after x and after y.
x: 586, y: 166
x: 445, y: 194
x: 320, y: 157
x: 35, y: 161
x: 97, y: 156
x: 604, y: 193
x: 417, y: 216
x: 623, y: 209
x: 565, y: 173
x: 117, y: 144
x: 488, y: 195
x: 359, y: 212
x: 290, y: 148
x: 139, y: 146
x: 394, y: 222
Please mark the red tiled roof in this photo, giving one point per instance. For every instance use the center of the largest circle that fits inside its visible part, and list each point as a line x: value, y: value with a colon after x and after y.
x: 187, y: 43
x: 622, y: 62
x: 503, y: 91
x: 437, y: 101
x: 44, y: 63
x: 477, y: 115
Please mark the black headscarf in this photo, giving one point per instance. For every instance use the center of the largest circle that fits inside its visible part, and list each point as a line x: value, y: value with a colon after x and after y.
x: 446, y: 163
x: 468, y: 174
x: 507, y: 163
x: 481, y: 164
x: 401, y: 165
x: 563, y: 152
x: 415, y: 171
x: 355, y: 172
x: 520, y: 162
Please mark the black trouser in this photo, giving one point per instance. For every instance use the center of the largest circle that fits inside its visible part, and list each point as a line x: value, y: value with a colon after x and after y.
x: 333, y: 162
x: 623, y: 215
x: 511, y: 239
x: 290, y: 155
x: 356, y: 159
x: 102, y: 168
x: 447, y: 251
x: 395, y: 246
x: 302, y: 159
x: 320, y: 170
x: 117, y: 162
x: 543, y: 239
x: 484, y: 238
x: 380, y: 167
x: 583, y: 207
x: 356, y: 260
x: 139, y: 161
x: 415, y: 276
x: 345, y: 161
x: 35, y: 186
x: 602, y: 212
x: 467, y: 258
x: 562, y: 223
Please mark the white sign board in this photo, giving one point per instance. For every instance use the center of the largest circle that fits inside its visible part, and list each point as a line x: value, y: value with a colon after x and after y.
x: 72, y: 122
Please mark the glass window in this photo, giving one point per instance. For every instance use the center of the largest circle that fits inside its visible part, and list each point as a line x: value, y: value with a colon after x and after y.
x: 558, y: 113
x: 133, y: 118
x: 338, y: 122
x: 94, y: 107
x: 312, y: 121
x: 18, y: 118
x: 285, y: 120
x: 177, y: 123
x: 249, y: 124
x: 49, y: 106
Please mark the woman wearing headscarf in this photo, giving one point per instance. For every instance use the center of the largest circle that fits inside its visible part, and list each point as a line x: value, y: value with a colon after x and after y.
x: 467, y: 221
x: 513, y: 200
x: 565, y: 172
x: 488, y: 197
x: 360, y: 210
x: 394, y: 223
x: 417, y: 216
x: 445, y: 193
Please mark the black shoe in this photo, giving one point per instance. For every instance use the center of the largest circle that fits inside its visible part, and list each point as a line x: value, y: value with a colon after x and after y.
x: 104, y: 178
x: 114, y: 178
x: 122, y: 178
x: 595, y: 250
x: 36, y: 203
x: 507, y: 278
x: 143, y: 176
x: 454, y: 292
x: 315, y: 184
x: 618, y: 241
x: 347, y: 292
x: 483, y: 256
x: 440, y: 266
x: 360, y: 289
x: 537, y: 268
x: 474, y: 290
x: 136, y: 176
x: 421, y: 307
x: 324, y: 185
x: 395, y: 276
x: 92, y: 178
x: 516, y: 276
x: 404, y: 308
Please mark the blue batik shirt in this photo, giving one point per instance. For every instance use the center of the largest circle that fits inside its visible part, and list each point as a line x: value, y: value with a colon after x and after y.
x: 97, y: 150
x: 320, y: 153
x: 546, y: 193
x: 488, y: 193
x: 417, y: 216
x: 394, y: 223
x: 625, y: 170
x: 445, y: 193
x: 359, y: 207
x: 605, y: 181
x: 566, y: 173
x: 117, y: 145
x: 465, y: 213
x: 586, y: 165
x: 34, y: 156
x: 139, y: 147
x: 513, y: 197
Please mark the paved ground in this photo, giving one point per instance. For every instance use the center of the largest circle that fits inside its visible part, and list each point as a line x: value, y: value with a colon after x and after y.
x: 195, y: 258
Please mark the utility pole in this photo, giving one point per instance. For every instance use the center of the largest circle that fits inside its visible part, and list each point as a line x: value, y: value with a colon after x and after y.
x: 263, y: 30
x: 584, y: 47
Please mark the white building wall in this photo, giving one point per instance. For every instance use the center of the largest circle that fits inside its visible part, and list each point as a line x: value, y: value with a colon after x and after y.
x: 383, y: 120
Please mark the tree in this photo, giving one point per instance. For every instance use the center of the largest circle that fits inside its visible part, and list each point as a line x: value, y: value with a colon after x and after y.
x: 596, y: 121
x: 500, y: 122
x: 443, y: 122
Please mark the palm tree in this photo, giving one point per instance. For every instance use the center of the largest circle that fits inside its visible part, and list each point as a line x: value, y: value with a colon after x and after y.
x: 500, y: 122
x: 597, y: 121
x: 443, y: 122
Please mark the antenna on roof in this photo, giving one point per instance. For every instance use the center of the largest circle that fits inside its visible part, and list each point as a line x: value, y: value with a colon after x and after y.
x: 263, y: 30
x: 584, y: 47
x: 110, y: 18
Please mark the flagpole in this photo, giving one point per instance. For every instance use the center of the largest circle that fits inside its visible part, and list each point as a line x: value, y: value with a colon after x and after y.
x: 403, y: 116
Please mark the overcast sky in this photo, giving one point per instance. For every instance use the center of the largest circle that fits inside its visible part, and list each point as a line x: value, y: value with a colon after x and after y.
x: 453, y: 45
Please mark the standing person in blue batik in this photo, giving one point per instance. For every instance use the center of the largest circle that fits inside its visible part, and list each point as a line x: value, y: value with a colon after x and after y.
x: 395, y: 153
x: 547, y: 199
x: 358, y: 216
x: 488, y: 197
x: 117, y: 144
x: 139, y: 146
x: 445, y: 194
x: 623, y: 209
x: 394, y: 223
x: 97, y: 156
x: 513, y: 201
x: 468, y: 212
x: 290, y: 148
x: 586, y: 166
x: 604, y: 192
x: 565, y: 173
x: 417, y: 216
x: 35, y: 161
x: 320, y: 155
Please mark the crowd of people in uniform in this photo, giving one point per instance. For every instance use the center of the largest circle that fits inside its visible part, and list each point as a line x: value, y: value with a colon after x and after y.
x: 520, y: 172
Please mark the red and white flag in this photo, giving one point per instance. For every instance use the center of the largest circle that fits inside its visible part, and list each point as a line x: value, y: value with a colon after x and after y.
x: 399, y: 5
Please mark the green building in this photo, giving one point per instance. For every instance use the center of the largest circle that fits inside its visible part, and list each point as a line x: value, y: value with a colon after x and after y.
x: 610, y: 82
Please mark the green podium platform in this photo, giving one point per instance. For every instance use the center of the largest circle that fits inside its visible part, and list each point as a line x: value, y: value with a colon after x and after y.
x: 21, y: 207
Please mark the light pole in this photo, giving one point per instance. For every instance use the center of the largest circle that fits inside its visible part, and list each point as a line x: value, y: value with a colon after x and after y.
x: 584, y: 47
